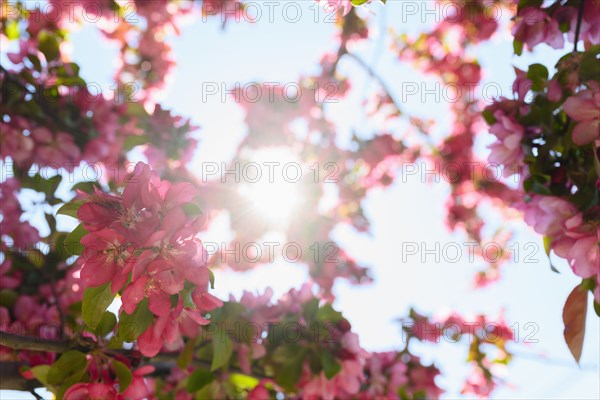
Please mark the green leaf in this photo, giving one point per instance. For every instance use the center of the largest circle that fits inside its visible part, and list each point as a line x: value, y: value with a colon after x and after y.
x: 538, y: 74
x: 12, y: 29
x: 40, y: 372
x: 330, y: 366
x: 72, y: 241
x: 40, y: 184
x: 198, y: 379
x: 589, y: 69
x: 547, y: 248
x: 48, y: 45
x: 51, y: 221
x: 328, y: 314
x: 292, y: 360
x: 87, y: 186
x: 488, y: 115
x: 107, y: 324
x: 8, y: 298
x: 358, y: 2
x: 187, y: 354
x: 574, y: 314
x: 70, y: 209
x: 35, y: 60
x: 68, y: 365
x: 95, y: 301
x: 192, y: 209
x: 134, y: 140
x: 132, y: 326
x: 518, y: 47
x: 222, y: 347
x: 243, y: 382
x: 597, y: 308
x: 123, y: 373
x: 212, y: 279
x: 310, y: 310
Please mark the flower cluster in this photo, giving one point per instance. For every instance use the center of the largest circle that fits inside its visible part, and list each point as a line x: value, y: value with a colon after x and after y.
x: 572, y: 237
x: 31, y: 307
x: 551, y: 139
x: 143, y: 244
x: 106, y: 382
x: 483, y: 335
x: 320, y: 358
x: 21, y: 232
x: 536, y: 25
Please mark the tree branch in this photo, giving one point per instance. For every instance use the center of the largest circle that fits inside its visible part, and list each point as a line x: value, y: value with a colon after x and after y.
x: 17, y: 342
x: 578, y: 27
x: 11, y: 379
x: 375, y: 76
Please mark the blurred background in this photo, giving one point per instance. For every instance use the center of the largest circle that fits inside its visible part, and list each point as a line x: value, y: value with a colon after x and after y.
x: 529, y: 294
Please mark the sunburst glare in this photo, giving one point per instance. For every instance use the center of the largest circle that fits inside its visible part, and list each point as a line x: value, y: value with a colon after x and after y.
x: 275, y: 196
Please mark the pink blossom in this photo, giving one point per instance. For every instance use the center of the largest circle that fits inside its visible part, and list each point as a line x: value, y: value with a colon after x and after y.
x: 547, y: 214
x: 507, y: 151
x: 13, y: 143
x: 140, y: 387
x: 387, y: 374
x: 91, y: 391
x: 167, y: 329
x: 8, y: 281
x: 584, y: 108
x: 104, y: 259
x: 260, y: 392
x: 57, y: 149
x: 341, y: 6
x: 21, y: 232
x: 580, y: 246
x: 535, y: 26
x: 477, y: 384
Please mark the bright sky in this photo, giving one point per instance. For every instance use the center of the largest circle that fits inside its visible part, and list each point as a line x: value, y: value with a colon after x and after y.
x: 406, y: 212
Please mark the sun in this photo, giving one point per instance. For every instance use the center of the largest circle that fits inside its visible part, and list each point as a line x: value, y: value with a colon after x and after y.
x: 276, y: 195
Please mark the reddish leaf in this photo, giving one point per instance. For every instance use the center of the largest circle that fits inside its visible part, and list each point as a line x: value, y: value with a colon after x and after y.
x: 574, y: 314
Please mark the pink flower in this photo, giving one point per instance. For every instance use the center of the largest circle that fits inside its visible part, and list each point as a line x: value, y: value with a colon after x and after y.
x: 7, y: 281
x: 547, y: 214
x: 507, y: 151
x: 535, y: 26
x: 585, y: 109
x: 21, y: 233
x: 139, y: 388
x: 580, y: 246
x: 387, y: 373
x: 55, y: 149
x: 167, y: 329
x: 100, y: 211
x: 90, y: 391
x: 477, y: 384
x: 341, y: 6
x: 104, y: 259
x: 13, y: 143
x: 260, y: 392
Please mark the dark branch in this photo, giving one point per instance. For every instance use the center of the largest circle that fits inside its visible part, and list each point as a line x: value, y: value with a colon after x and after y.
x: 579, y: 19
x: 375, y: 76
x: 11, y: 379
x: 17, y: 342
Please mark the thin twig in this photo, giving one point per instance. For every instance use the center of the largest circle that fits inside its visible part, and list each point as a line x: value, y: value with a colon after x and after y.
x: 374, y: 75
x: 61, y: 314
x: 578, y: 27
